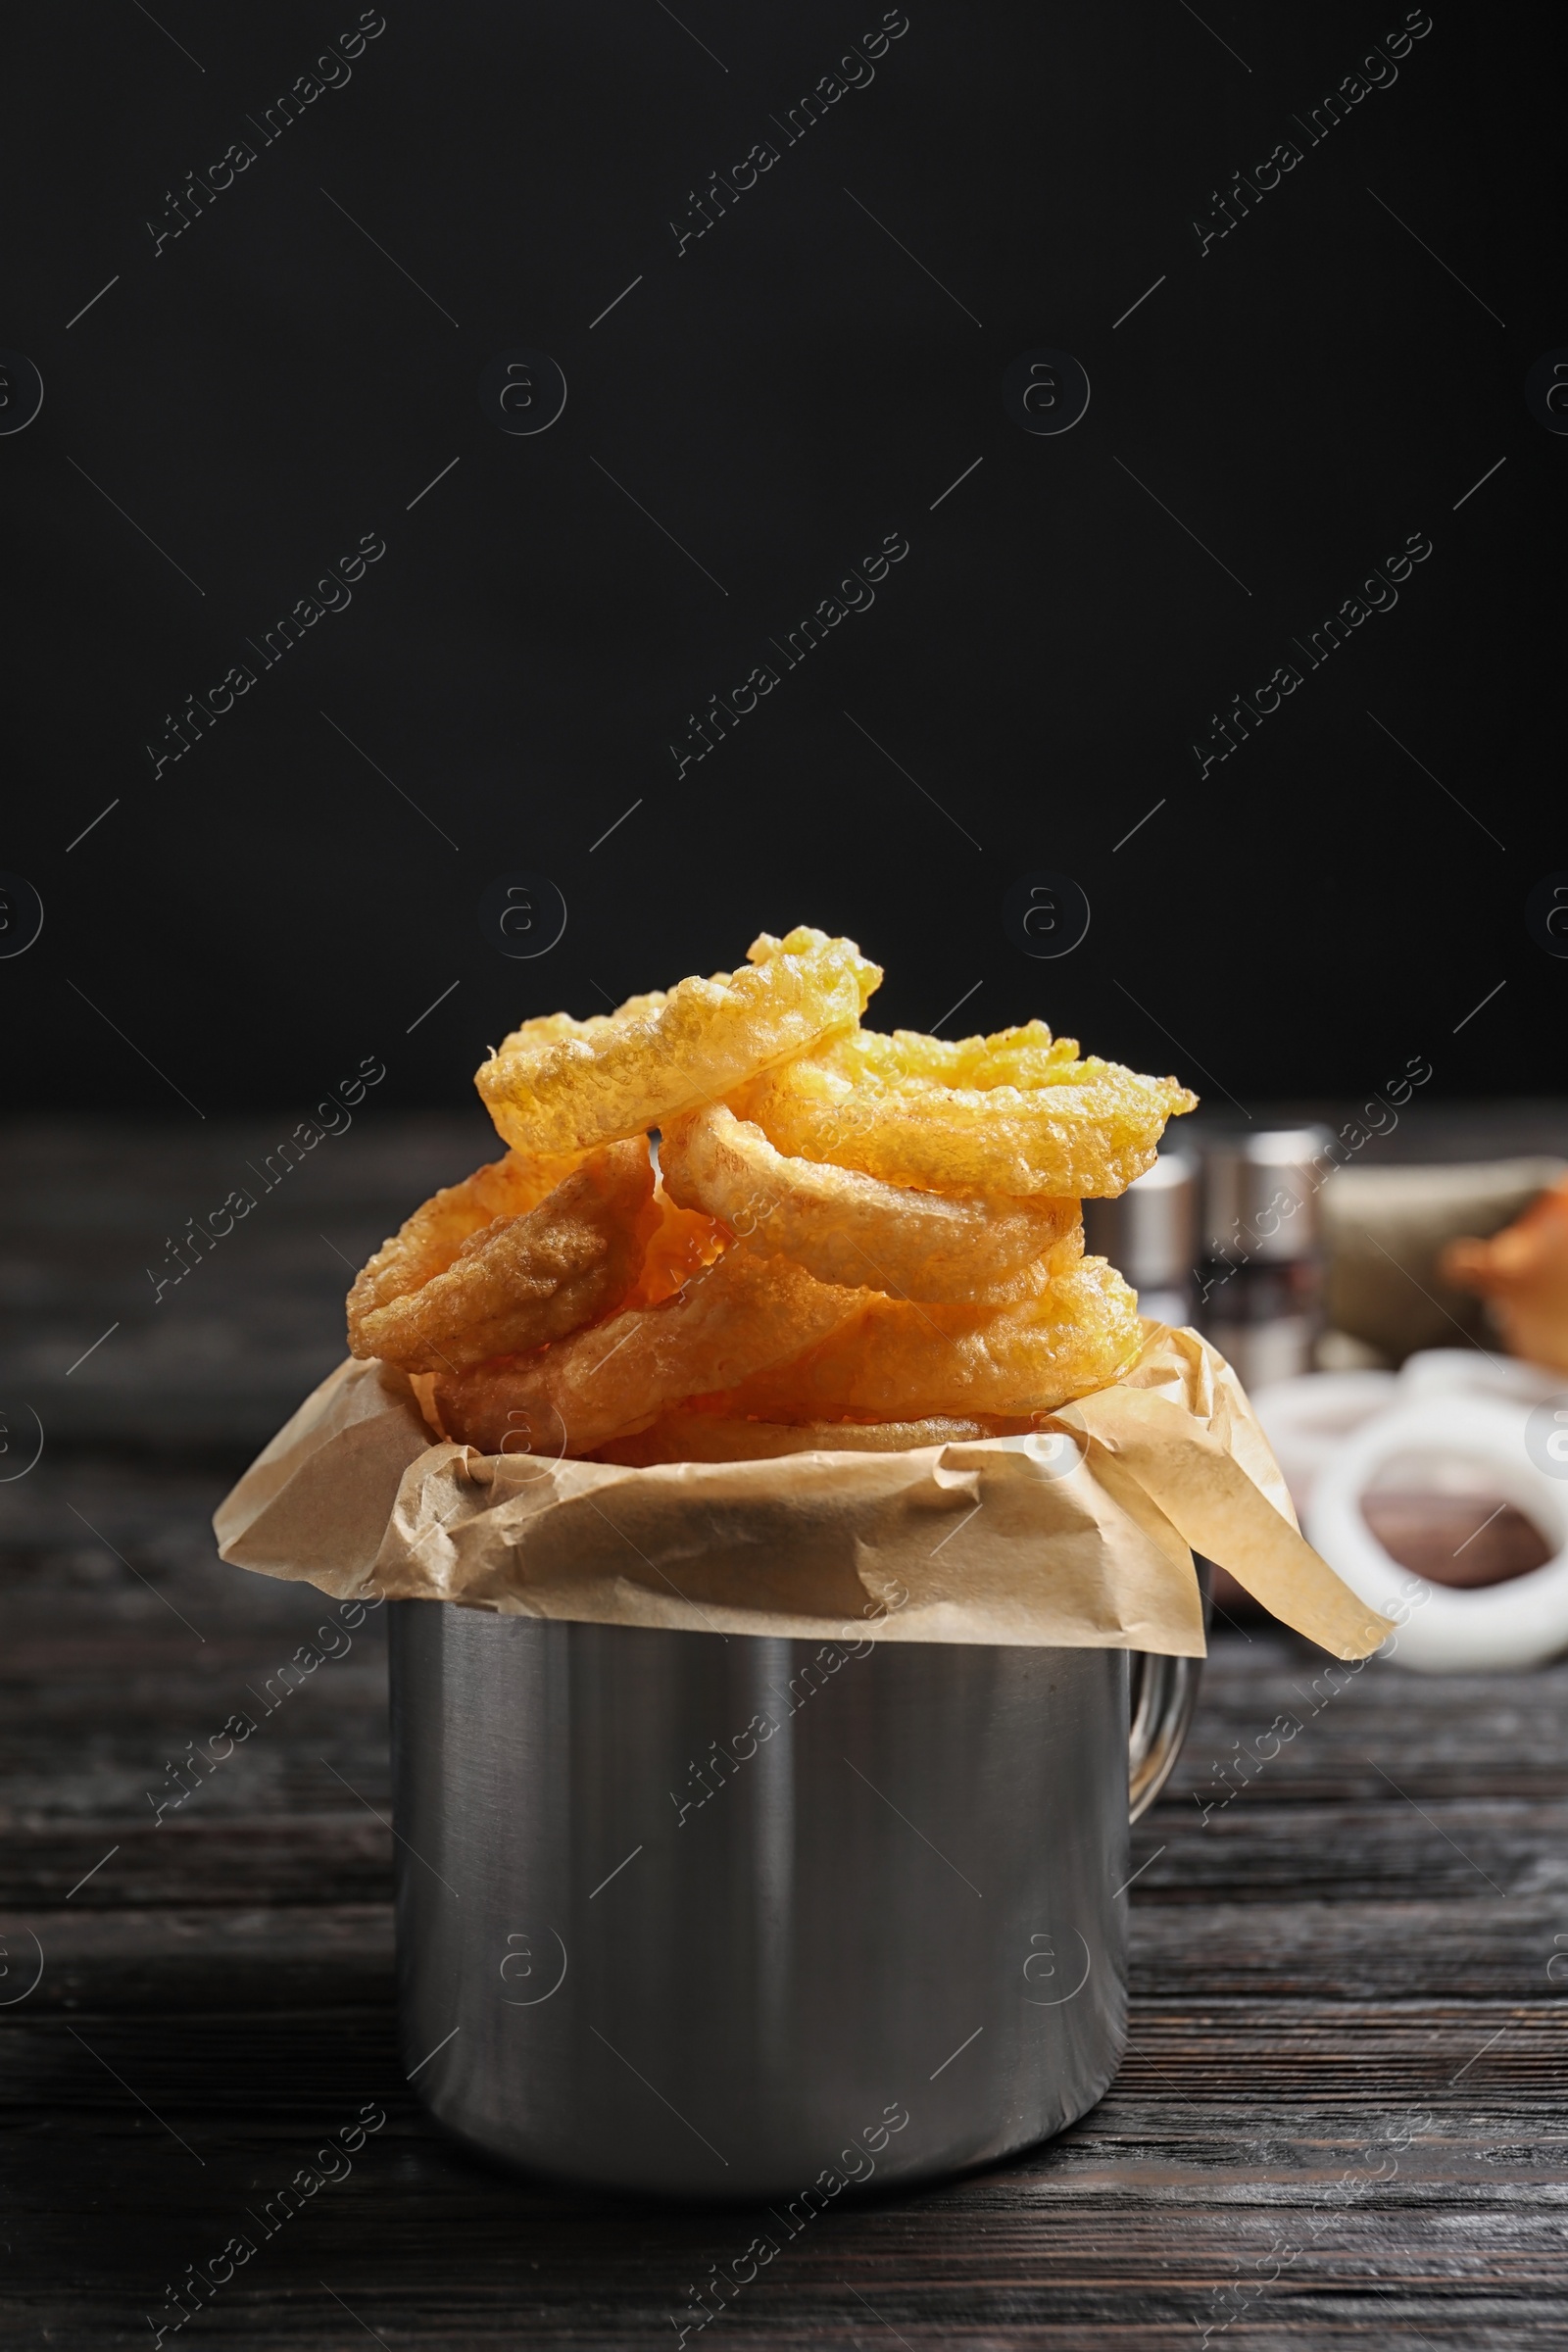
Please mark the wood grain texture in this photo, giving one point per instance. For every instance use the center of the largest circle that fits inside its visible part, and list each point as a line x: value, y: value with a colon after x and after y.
x: 1342, y: 2118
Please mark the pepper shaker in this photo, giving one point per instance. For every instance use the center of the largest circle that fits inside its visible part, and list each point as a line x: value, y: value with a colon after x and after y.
x: 1260, y: 1281
x: 1150, y: 1233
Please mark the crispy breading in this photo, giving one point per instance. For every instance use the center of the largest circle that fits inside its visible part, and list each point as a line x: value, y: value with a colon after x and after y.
x: 1017, y: 1114
x: 897, y: 1360
x: 427, y: 1243
x: 524, y: 1279
x: 684, y: 1436
x: 557, y: 1085
x: 850, y: 1228
x: 735, y: 1318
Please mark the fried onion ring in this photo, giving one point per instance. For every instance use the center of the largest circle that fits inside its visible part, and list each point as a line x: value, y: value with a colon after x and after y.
x: 847, y: 1228
x: 520, y: 1281
x: 427, y: 1243
x: 687, y: 1437
x: 1017, y: 1114
x: 896, y: 1360
x: 557, y: 1085
x: 742, y: 1314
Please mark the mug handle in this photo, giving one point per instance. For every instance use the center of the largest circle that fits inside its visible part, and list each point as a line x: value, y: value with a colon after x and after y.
x: 1163, y: 1693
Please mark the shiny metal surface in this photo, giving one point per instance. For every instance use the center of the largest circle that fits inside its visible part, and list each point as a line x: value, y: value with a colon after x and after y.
x: 1262, y: 1293
x: 742, y: 1918
x: 1260, y: 1195
x: 1164, y: 1693
x: 1150, y: 1231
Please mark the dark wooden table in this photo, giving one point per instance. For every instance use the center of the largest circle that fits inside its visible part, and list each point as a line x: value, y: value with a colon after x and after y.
x: 1342, y: 2114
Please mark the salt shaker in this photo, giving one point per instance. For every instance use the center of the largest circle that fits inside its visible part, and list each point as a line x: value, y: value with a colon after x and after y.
x: 1260, y: 1283
x: 1150, y: 1233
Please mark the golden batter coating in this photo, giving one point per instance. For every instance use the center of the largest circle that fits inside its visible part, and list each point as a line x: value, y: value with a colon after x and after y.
x: 557, y: 1085
x: 521, y: 1281
x: 846, y: 1227
x: 427, y: 1243
x: 897, y: 1360
x: 1016, y: 1113
x: 741, y: 1314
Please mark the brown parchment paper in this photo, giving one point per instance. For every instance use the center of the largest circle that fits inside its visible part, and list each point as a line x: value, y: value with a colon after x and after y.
x: 1080, y: 1535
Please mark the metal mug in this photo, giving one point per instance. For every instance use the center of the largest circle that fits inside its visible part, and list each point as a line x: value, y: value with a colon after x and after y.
x: 740, y: 1917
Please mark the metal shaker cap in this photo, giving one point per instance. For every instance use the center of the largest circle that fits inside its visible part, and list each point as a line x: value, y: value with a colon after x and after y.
x: 1260, y: 1193
x: 1149, y: 1232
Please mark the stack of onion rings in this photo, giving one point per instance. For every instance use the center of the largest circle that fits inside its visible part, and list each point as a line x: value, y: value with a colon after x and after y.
x: 853, y: 1239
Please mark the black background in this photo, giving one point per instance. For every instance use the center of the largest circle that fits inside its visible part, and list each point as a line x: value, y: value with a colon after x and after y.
x: 269, y: 387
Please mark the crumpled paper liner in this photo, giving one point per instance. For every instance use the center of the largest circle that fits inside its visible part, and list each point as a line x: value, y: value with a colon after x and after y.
x: 1076, y: 1537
